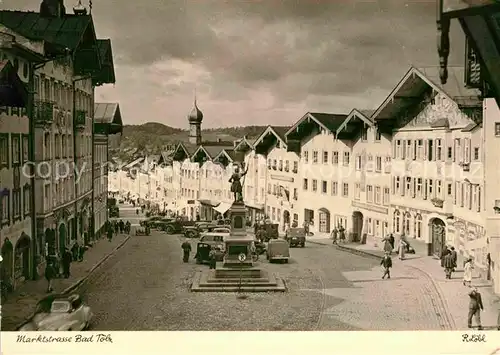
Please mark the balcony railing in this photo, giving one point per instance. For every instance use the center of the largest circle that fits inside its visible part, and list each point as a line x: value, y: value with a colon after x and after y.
x: 80, y: 118
x: 43, y: 112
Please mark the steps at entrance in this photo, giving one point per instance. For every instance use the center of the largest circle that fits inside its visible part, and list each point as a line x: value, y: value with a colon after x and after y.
x: 237, y: 273
x: 208, y: 281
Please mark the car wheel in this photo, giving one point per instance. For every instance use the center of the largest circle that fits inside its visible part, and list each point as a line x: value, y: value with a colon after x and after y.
x: 286, y: 261
x: 169, y: 229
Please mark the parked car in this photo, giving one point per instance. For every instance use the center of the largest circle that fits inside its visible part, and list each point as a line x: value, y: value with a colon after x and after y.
x: 198, y: 229
x: 58, y: 312
x: 222, y: 230
x: 203, y: 252
x: 278, y: 249
x: 176, y: 225
x: 296, y: 237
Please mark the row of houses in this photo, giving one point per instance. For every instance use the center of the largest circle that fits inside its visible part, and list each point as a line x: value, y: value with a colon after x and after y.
x: 423, y: 164
x: 53, y: 136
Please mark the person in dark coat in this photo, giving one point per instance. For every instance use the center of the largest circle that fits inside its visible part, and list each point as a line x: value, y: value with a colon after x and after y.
x: 67, y: 258
x: 454, y: 255
x: 261, y: 234
x: 444, y: 252
x: 213, y: 258
x: 110, y: 233
x: 335, y: 233
x: 186, y: 248
x: 448, y: 264
x: 342, y: 234
x: 121, y: 226
x: 50, y: 274
x: 74, y: 251
x: 386, y: 263
x: 475, y: 308
x: 391, y: 241
x: 117, y: 227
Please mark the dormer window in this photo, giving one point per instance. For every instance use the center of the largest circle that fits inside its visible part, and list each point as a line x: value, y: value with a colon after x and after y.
x: 364, y: 134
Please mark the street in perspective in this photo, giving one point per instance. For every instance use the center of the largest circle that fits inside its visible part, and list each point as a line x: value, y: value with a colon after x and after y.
x: 376, y: 212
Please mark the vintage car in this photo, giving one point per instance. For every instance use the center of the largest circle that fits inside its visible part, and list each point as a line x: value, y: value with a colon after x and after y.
x: 296, y: 237
x: 58, y: 312
x: 176, y: 225
x: 222, y: 230
x: 223, y: 222
x: 198, y: 229
x: 278, y: 249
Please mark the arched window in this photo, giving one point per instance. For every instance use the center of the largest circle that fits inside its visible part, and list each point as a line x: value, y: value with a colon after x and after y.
x: 397, y: 222
x: 406, y: 223
x: 418, y: 226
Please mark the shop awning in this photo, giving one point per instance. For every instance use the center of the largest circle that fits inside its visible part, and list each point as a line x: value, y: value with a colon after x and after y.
x: 209, y: 203
x: 223, y: 207
x: 254, y: 206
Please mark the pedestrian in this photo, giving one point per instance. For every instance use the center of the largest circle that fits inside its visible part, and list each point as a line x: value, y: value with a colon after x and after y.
x: 50, y: 273
x: 342, y: 234
x: 121, y: 226
x: 448, y: 265
x: 386, y: 263
x: 261, y: 234
x: 454, y: 255
x: 335, y: 233
x: 444, y: 252
x: 402, y: 248
x: 81, y: 251
x: 186, y: 248
x: 468, y: 272
x: 213, y: 258
x: 475, y: 308
x: 137, y: 211
x: 74, y: 251
x: 110, y: 233
x: 387, y: 246
x: 66, y: 262
x: 128, y: 227
x: 392, y: 241
x: 306, y: 228
x: 198, y: 218
x: 117, y: 227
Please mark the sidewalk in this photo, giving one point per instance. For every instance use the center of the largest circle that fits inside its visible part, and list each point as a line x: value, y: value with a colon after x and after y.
x: 454, y: 295
x: 21, y: 303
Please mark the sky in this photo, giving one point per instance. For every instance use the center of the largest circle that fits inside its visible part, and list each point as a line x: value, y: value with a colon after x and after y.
x: 259, y: 62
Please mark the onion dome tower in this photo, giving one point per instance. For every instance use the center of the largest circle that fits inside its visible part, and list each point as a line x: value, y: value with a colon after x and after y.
x: 195, y: 118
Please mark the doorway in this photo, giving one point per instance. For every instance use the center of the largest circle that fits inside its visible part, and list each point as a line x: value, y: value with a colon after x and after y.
x: 357, y: 225
x: 22, y: 258
x: 438, y: 235
x: 324, y: 220
x: 62, y: 239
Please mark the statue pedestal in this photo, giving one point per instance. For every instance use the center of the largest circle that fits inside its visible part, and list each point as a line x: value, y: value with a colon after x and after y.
x: 239, y: 241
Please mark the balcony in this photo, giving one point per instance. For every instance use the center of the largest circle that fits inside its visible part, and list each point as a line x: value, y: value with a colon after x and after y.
x: 80, y: 119
x: 43, y: 113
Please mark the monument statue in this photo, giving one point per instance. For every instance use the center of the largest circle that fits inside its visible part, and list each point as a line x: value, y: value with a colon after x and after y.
x: 236, y: 183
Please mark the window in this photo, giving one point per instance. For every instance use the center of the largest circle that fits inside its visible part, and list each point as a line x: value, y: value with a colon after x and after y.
x: 16, y: 204
x: 377, y: 228
x: 273, y: 217
x: 345, y: 189
x: 357, y: 191
x: 306, y: 156
x: 269, y: 189
x: 420, y: 149
x: 397, y: 185
x: 315, y: 156
x: 280, y: 165
x: 295, y: 167
x: 346, y: 159
x: 369, y: 193
x: 497, y: 129
x: 369, y: 223
x: 408, y: 149
x: 305, y: 184
x: 269, y: 164
x: 25, y: 148
x: 449, y: 190
x: 369, y: 166
x: 378, y: 136
x: 4, y: 150
x: 476, y: 153
x: 406, y: 223
x: 315, y: 185
x: 387, y: 198
x: 16, y: 149
x: 378, y: 197
x: 274, y: 164
x: 325, y: 157
x: 335, y: 187
x: 335, y: 158
x: 387, y: 165
x: 430, y: 188
x: 295, y: 194
x: 439, y: 189
x: 324, y: 187
x: 430, y: 150
x: 458, y: 151
x: 418, y: 226
x: 396, y: 149
x: 287, y: 165
x: 4, y: 207
x: 364, y: 134
x: 408, y: 185
x: 397, y: 222
x: 357, y: 162
x: 418, y: 191
x: 378, y: 164
x: 449, y: 154
x: 439, y: 149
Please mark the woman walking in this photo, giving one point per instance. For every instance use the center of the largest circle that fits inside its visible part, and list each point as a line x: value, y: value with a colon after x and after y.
x: 468, y: 272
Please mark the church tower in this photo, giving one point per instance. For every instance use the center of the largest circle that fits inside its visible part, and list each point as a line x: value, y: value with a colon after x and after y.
x: 195, y: 118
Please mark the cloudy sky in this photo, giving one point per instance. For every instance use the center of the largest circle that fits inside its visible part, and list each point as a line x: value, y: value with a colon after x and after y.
x: 259, y: 61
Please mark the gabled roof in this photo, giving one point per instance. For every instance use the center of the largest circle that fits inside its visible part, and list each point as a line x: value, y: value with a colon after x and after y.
x: 166, y: 157
x: 242, y: 141
x: 415, y: 83
x: 107, y: 72
x: 228, y: 153
x: 188, y: 149
x: 107, y: 112
x: 328, y: 121
x: 362, y: 115
x: 13, y: 91
x: 201, y: 148
x: 277, y: 131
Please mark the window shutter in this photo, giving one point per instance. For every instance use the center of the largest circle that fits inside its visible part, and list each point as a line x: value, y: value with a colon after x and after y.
x: 478, y: 200
x: 402, y: 185
x: 415, y: 149
x: 414, y: 187
x: 467, y: 150
x: 425, y: 149
x: 403, y: 149
x: 424, y: 190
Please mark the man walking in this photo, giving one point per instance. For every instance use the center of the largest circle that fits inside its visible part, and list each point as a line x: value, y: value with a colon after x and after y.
x: 448, y: 265
x: 334, y: 235
x: 186, y: 248
x: 475, y: 308
x: 213, y: 258
x: 386, y: 263
x: 50, y: 273
x: 67, y: 257
x: 454, y: 256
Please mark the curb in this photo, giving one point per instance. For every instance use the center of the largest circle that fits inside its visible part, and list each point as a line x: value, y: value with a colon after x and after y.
x: 318, y: 243
x: 358, y: 252
x: 79, y: 282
